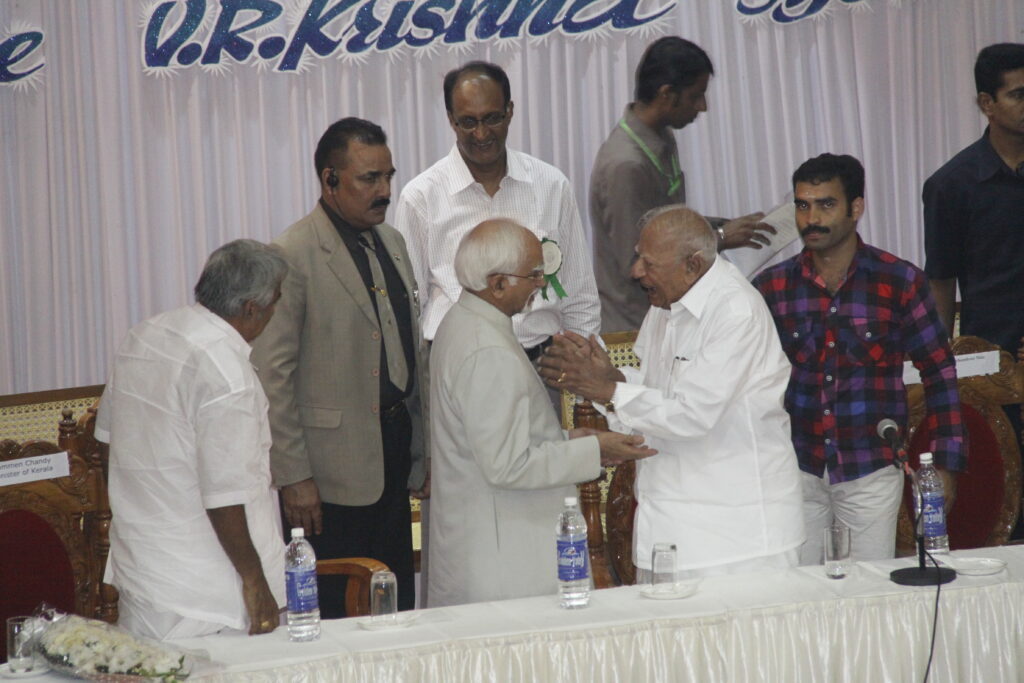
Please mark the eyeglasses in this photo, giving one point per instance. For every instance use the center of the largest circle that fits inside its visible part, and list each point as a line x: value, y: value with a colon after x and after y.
x: 492, y: 120
x: 535, y: 275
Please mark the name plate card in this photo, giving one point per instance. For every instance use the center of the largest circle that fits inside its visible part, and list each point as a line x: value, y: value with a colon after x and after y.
x: 967, y: 365
x: 50, y: 466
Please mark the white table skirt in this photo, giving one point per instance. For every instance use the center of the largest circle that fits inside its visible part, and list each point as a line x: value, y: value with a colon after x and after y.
x: 789, y: 626
x: 792, y: 626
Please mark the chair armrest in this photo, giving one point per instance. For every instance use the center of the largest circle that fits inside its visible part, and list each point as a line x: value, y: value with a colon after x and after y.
x: 357, y: 590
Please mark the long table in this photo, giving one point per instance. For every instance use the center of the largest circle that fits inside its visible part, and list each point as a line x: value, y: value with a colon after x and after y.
x: 784, y: 627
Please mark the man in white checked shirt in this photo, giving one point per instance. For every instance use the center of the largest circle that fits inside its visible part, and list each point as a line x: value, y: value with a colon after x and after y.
x: 480, y: 179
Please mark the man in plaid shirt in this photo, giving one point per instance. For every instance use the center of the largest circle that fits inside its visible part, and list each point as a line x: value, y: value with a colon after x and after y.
x: 848, y: 315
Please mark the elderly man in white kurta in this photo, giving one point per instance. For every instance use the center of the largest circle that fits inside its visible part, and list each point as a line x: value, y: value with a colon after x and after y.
x: 195, y: 541
x: 501, y: 464
x: 724, y: 488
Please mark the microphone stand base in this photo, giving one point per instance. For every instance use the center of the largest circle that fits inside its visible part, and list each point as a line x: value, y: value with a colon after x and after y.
x: 922, y: 576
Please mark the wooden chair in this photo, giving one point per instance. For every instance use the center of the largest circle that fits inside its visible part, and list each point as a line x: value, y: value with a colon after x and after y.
x: 52, y: 539
x: 988, y: 492
x: 607, y: 503
x: 357, y: 588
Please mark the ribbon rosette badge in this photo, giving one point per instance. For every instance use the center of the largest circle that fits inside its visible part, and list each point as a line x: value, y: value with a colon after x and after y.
x: 552, y: 264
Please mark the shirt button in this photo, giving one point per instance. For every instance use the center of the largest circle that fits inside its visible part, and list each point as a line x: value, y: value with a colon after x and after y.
x: 867, y: 335
x: 375, y: 409
x: 375, y: 336
x: 828, y: 441
x: 827, y: 412
x: 833, y: 309
x: 831, y: 345
x: 828, y: 378
x: 375, y: 372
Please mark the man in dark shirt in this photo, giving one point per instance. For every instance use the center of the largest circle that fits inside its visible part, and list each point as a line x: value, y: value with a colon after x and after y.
x: 974, y: 211
x: 974, y: 216
x: 343, y: 366
x: 848, y: 315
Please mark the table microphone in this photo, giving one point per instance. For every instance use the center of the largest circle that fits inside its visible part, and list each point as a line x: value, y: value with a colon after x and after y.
x: 920, y: 575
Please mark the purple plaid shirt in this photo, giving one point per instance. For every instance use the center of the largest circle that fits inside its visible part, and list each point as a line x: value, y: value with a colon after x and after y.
x: 847, y: 352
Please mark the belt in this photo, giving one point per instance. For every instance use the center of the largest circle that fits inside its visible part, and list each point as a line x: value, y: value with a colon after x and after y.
x: 533, y: 353
x: 392, y: 411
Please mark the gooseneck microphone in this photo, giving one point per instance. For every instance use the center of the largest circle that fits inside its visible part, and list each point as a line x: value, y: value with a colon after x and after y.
x: 889, y: 431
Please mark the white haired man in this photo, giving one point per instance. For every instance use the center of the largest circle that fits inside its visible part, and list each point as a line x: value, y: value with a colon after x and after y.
x: 195, y: 541
x: 501, y: 464
x: 708, y: 395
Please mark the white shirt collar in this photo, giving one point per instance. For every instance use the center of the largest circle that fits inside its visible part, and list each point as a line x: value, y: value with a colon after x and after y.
x: 461, y: 178
x: 696, y: 299
x: 231, y: 334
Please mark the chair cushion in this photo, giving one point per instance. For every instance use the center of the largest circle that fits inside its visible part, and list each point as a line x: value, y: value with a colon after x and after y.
x: 34, y: 567
x: 980, y: 490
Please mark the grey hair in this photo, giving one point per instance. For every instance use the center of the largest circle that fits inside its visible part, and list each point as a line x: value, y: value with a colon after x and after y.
x: 240, y: 271
x: 495, y: 246
x: 692, y: 232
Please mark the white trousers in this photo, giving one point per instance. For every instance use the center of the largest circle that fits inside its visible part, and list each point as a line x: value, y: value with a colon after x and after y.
x: 868, y: 506
x: 783, y: 560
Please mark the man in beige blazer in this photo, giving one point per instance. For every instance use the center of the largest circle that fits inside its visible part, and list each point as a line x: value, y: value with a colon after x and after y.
x: 343, y: 366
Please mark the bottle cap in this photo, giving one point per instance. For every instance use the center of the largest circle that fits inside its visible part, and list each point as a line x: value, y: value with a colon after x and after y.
x: 298, y: 532
x: 926, y: 458
x: 570, y: 501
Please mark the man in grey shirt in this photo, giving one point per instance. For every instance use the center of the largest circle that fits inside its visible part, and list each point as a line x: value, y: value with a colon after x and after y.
x: 637, y: 169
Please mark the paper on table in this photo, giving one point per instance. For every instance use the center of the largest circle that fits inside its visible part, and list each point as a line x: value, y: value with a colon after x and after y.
x: 783, y: 218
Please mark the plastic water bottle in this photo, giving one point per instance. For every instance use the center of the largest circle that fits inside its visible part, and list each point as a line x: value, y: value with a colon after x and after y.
x: 933, y: 507
x: 300, y: 580
x: 573, y: 557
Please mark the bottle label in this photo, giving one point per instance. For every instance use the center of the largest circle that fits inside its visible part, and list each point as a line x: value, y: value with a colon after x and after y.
x: 934, y: 513
x: 302, y: 593
x: 573, y: 560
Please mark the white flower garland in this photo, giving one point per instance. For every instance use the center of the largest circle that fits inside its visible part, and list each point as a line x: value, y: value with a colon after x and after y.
x: 94, y: 649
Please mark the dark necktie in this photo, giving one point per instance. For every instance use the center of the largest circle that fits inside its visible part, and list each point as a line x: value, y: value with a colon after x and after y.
x: 397, y: 368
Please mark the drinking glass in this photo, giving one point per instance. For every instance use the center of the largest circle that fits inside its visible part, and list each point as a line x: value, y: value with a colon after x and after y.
x: 19, y: 646
x: 383, y: 597
x: 837, y: 550
x: 663, y: 567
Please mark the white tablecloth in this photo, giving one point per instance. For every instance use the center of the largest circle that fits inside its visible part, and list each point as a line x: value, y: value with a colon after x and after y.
x: 784, y: 627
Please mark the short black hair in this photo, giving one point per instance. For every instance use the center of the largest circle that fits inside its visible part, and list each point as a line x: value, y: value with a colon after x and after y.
x: 995, y: 60
x: 826, y: 167
x: 492, y: 71
x: 671, y: 61
x: 337, y: 137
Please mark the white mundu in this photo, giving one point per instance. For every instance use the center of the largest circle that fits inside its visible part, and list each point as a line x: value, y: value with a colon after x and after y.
x: 501, y: 463
x: 724, y: 486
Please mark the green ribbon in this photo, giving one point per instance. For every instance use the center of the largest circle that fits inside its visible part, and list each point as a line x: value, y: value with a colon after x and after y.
x: 555, y: 285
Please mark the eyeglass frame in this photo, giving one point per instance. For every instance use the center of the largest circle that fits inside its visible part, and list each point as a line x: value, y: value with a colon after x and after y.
x: 496, y: 120
x: 537, y: 275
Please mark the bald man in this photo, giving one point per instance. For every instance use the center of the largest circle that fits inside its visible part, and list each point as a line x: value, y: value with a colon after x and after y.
x: 502, y: 465
x: 708, y: 395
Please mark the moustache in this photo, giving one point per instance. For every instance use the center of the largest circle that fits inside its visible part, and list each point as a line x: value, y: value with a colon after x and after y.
x: 381, y: 203
x: 815, y: 228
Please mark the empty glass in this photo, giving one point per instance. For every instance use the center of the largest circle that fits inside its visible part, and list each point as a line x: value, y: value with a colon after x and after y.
x: 663, y: 567
x: 837, y: 550
x: 383, y: 597
x: 19, y: 645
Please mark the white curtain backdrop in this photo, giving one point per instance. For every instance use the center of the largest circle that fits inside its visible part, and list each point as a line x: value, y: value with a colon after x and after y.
x: 117, y: 182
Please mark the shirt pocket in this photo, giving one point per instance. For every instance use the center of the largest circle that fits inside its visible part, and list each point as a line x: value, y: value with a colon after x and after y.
x: 798, y: 340
x: 870, y: 341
